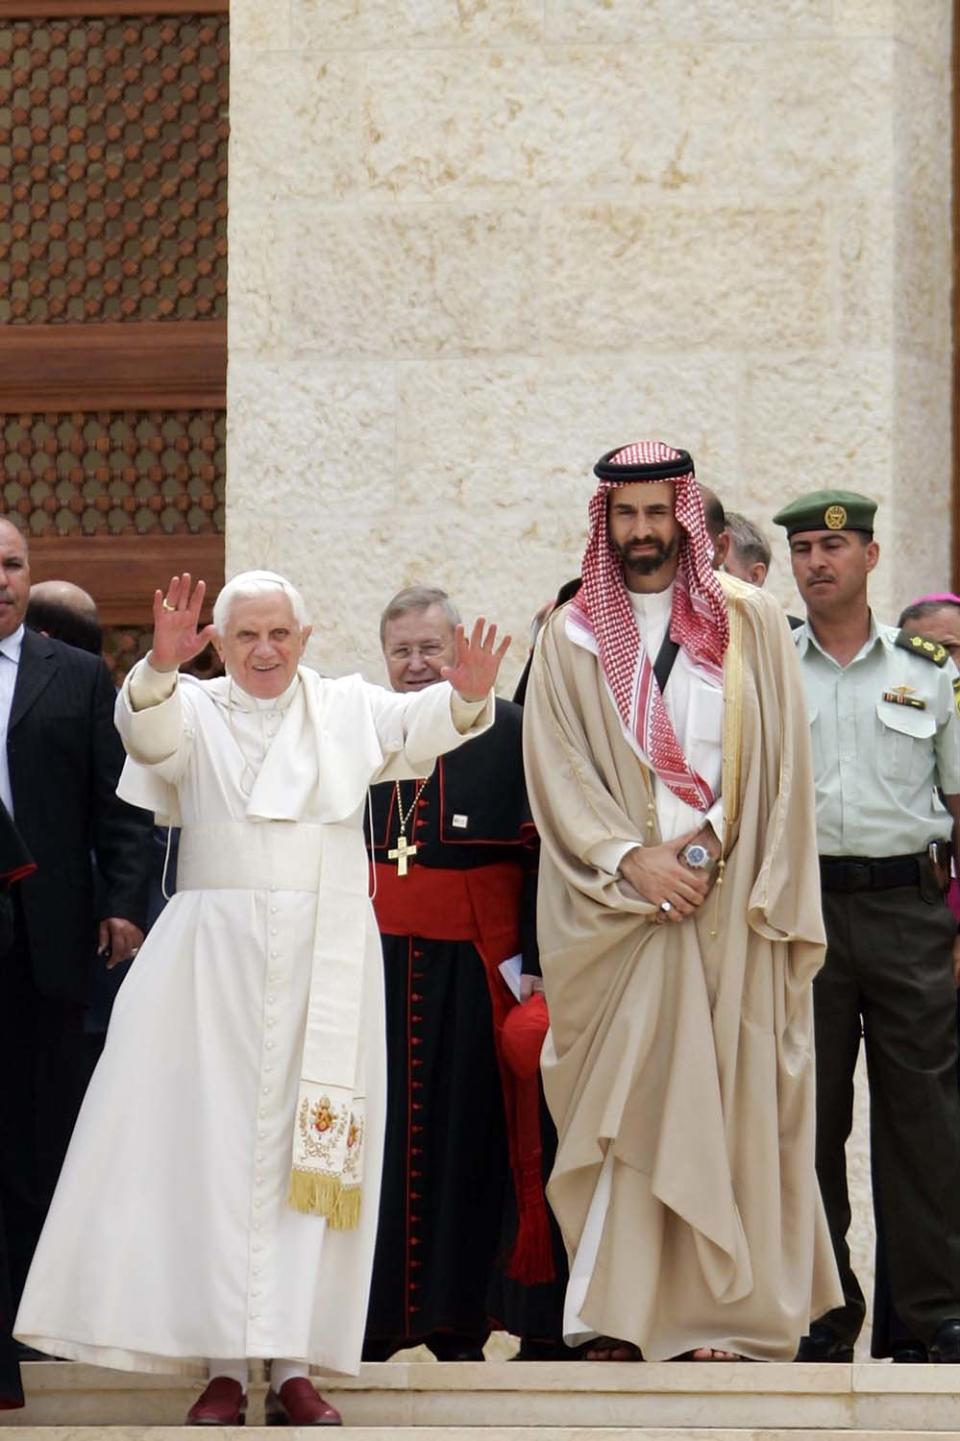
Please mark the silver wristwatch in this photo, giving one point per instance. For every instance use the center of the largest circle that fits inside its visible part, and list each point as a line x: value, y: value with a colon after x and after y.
x: 696, y: 856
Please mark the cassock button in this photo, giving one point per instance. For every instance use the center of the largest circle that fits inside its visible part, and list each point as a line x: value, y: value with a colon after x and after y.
x: 265, y: 1091
x: 273, y: 910
x: 274, y: 931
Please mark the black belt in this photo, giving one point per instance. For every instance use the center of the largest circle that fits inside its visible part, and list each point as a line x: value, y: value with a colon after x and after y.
x: 855, y: 873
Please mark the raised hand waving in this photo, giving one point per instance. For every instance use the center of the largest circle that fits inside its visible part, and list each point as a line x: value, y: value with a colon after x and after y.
x: 477, y: 662
x: 177, y: 637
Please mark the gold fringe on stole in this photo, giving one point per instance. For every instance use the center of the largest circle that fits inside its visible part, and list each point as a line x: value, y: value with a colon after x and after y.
x: 732, y: 745
x: 317, y: 1195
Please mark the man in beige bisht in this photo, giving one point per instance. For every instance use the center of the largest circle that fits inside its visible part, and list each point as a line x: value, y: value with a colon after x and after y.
x: 669, y: 773
x: 219, y: 1199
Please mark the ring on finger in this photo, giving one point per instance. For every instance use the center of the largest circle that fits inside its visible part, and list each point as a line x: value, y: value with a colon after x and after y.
x: 168, y: 606
x: 666, y: 907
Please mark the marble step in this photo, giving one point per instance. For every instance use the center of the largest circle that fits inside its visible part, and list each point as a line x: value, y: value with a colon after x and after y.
x: 669, y: 1398
x: 470, y: 1433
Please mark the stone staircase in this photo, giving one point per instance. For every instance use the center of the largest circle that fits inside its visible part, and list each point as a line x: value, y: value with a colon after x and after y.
x: 572, y: 1401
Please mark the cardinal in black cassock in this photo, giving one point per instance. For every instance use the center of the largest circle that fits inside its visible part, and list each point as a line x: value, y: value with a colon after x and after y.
x: 452, y: 858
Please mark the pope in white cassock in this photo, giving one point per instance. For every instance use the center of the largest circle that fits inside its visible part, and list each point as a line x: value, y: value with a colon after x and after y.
x: 219, y: 1198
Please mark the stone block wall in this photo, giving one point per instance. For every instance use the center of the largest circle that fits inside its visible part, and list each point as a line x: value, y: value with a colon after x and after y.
x: 474, y: 243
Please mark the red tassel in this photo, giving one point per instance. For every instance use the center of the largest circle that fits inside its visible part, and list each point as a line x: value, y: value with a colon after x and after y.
x: 531, y: 1262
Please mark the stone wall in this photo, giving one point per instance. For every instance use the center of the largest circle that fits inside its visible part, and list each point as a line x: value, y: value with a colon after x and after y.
x: 474, y: 243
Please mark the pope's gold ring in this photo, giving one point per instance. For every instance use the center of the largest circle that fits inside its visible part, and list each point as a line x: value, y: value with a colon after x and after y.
x: 168, y: 606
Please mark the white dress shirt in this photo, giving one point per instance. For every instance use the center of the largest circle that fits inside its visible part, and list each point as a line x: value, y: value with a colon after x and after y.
x: 9, y: 664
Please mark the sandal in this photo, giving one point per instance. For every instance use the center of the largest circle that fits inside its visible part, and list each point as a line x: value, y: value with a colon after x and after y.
x: 611, y: 1348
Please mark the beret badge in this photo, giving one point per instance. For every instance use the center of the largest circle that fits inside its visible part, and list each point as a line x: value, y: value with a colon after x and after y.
x: 835, y: 517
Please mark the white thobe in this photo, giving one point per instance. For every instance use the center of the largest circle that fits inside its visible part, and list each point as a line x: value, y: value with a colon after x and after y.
x: 170, y: 1239
x: 694, y: 704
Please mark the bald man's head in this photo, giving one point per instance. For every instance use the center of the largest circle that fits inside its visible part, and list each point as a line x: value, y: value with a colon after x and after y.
x: 14, y: 578
x: 64, y: 611
x: 65, y: 593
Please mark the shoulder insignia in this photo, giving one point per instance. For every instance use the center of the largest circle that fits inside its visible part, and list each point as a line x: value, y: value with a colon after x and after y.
x: 924, y: 648
x: 956, y: 693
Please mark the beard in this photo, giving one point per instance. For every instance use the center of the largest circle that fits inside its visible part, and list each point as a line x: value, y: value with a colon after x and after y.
x: 647, y: 562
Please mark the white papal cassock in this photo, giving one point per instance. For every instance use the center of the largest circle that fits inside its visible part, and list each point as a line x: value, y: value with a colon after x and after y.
x: 170, y: 1240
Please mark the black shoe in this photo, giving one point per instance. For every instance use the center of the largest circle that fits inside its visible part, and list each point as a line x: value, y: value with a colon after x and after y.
x: 909, y: 1353
x: 945, y: 1346
x: 448, y: 1346
x: 822, y: 1344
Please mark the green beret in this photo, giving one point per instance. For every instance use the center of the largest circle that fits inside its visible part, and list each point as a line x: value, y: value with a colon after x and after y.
x: 828, y: 510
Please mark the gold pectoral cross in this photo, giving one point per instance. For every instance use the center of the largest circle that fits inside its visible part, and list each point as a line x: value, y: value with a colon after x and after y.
x: 400, y: 854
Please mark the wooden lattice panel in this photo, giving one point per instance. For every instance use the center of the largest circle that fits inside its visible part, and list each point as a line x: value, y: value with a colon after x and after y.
x: 123, y: 646
x: 159, y: 472
x: 113, y: 169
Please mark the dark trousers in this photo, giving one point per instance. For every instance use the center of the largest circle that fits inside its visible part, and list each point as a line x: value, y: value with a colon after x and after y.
x: 889, y: 970
x: 888, y: 1331
x: 11, y: 1390
x: 44, y: 1067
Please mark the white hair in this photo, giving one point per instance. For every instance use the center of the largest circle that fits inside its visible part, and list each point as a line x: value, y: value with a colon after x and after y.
x: 250, y: 583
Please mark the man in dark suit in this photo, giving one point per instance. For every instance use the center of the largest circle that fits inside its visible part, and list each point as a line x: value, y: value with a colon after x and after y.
x: 60, y: 760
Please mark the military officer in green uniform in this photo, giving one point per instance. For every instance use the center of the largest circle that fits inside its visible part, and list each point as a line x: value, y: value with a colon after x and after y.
x: 886, y: 739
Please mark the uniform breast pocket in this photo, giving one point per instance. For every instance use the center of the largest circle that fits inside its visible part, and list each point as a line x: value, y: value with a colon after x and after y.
x: 906, y: 741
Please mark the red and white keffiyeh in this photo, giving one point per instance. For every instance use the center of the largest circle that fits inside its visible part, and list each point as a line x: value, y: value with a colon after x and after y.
x: 698, y: 622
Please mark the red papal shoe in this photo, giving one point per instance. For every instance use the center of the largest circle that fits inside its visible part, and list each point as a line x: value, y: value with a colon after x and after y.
x: 298, y: 1403
x: 223, y: 1403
